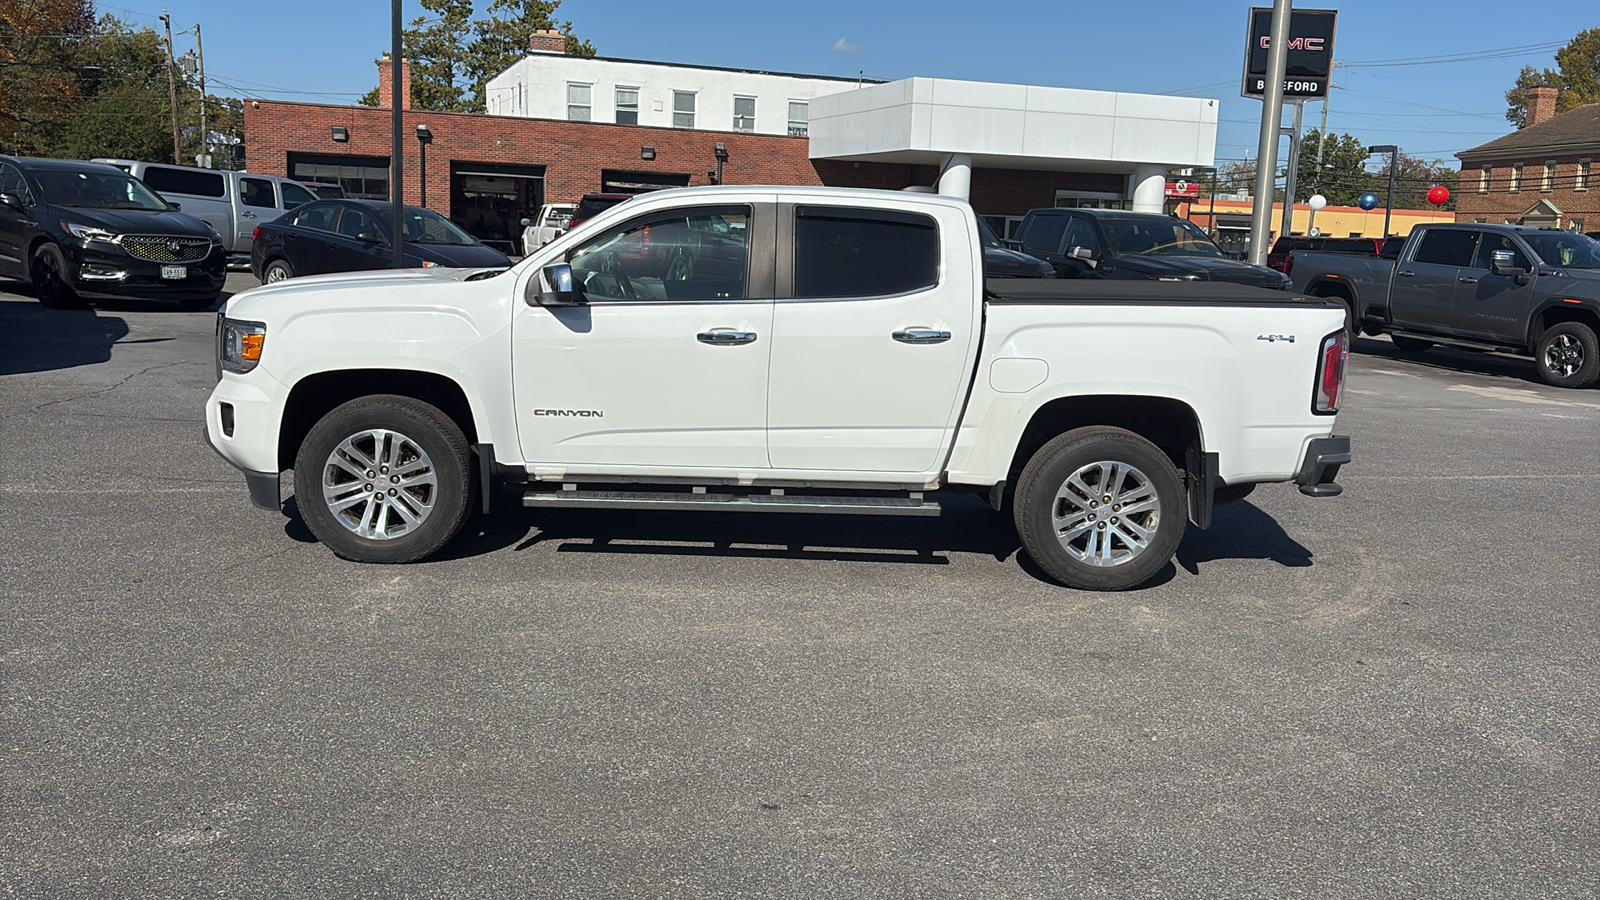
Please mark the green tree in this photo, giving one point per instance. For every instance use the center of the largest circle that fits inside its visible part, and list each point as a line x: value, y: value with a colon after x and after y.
x: 1343, y: 174
x: 122, y: 110
x: 40, y: 46
x: 454, y: 55
x: 1576, y: 78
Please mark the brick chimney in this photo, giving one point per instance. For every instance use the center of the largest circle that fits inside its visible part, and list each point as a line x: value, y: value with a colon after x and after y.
x: 547, y: 40
x: 385, y: 92
x: 1541, y: 104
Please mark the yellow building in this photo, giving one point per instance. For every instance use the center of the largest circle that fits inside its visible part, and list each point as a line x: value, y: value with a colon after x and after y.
x: 1233, y: 221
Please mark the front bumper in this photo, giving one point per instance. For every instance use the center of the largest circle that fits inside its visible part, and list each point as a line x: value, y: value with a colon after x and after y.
x: 99, y: 271
x: 1324, y: 456
x: 242, y: 422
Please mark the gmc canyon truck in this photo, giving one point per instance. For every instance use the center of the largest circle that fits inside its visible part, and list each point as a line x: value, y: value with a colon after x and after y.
x: 777, y: 349
x: 1511, y: 288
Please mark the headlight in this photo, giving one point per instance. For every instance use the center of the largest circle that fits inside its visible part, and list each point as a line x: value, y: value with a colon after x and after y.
x: 87, y: 233
x: 216, y: 236
x: 239, y: 344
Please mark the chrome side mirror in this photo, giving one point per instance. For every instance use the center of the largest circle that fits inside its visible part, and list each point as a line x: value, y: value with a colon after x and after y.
x: 526, y: 222
x: 1083, y: 253
x: 554, y: 286
x: 1504, y: 262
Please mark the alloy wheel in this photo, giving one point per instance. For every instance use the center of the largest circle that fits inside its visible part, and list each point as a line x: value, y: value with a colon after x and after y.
x: 1106, y: 513
x: 1564, y: 355
x: 379, y: 484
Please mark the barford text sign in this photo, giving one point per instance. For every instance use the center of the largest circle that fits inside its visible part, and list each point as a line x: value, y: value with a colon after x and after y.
x: 1310, y: 53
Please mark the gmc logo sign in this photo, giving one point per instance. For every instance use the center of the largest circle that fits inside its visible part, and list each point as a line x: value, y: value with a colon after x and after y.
x: 1313, y: 44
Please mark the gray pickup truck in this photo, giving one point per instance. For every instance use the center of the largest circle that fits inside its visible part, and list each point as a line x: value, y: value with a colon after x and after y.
x: 1507, y: 288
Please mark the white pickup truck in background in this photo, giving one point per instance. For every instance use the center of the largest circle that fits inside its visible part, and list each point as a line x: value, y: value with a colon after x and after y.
x: 777, y: 349
x: 546, y: 226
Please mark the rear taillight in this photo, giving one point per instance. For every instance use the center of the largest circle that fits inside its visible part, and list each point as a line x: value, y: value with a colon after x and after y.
x: 255, y: 234
x: 1288, y: 265
x: 1330, y: 374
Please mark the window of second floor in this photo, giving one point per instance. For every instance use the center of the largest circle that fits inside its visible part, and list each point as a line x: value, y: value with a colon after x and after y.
x: 1549, y: 179
x: 1516, y: 178
x: 799, y: 118
x: 579, y: 101
x: 682, y: 109
x: 1580, y: 182
x: 627, y: 106
x: 1483, y: 179
x: 744, y: 114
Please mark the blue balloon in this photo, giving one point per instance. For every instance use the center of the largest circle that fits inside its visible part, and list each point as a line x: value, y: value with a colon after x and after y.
x: 1369, y: 200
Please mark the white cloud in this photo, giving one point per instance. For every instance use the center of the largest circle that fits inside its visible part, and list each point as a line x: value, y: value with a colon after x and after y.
x: 844, y: 46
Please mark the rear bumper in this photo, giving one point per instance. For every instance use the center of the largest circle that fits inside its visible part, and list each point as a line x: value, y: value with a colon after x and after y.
x: 1323, y: 458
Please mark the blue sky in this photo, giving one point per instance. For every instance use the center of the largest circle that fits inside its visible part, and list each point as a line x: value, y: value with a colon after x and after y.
x: 322, y: 50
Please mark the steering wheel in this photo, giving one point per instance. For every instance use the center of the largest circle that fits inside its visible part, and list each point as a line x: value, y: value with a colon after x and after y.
x: 612, y: 266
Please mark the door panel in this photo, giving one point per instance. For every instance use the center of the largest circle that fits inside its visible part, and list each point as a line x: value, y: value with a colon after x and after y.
x: 847, y: 393
x: 667, y: 363
x: 1493, y: 306
x: 1424, y: 290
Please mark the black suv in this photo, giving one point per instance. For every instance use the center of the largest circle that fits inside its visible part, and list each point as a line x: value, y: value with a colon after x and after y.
x: 81, y: 230
x: 1113, y: 243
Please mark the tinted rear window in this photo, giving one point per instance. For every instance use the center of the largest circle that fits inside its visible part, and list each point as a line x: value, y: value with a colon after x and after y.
x: 1444, y: 247
x: 588, y: 209
x: 184, y: 181
x: 844, y: 252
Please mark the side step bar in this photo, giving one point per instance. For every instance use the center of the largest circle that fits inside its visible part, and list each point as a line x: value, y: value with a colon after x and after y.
x: 1455, y: 342
x: 569, y: 496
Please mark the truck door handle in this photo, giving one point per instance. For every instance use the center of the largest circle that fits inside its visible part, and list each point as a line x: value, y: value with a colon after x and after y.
x: 726, y: 337
x: 921, y: 336
x: 1465, y: 280
x: 247, y: 214
x: 1405, y: 274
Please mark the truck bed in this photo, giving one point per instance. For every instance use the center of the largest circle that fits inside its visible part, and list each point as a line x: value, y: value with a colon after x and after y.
x: 1096, y: 292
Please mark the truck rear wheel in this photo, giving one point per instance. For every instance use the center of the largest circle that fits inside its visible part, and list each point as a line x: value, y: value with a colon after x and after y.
x: 1567, y: 356
x: 1408, y: 344
x: 1100, y: 509
x: 384, y: 479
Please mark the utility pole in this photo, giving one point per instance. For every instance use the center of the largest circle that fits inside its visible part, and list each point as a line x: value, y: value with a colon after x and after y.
x: 1271, y: 126
x: 205, y: 136
x: 172, y: 91
x: 396, y: 184
x: 1316, y: 177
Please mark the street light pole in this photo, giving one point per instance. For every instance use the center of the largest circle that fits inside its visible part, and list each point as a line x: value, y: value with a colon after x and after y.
x: 424, y: 138
x: 1394, y: 162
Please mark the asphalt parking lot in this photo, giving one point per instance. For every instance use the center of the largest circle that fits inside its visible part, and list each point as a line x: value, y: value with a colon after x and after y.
x: 1393, y: 693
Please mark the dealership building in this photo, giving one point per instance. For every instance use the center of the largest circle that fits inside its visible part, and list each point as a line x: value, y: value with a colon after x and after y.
x: 560, y: 126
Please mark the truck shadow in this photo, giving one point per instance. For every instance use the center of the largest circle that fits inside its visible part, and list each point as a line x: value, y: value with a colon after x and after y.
x: 1450, y: 359
x: 1239, y: 531
x: 36, y: 339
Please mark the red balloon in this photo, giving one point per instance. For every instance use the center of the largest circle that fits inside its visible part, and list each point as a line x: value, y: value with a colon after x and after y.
x: 1439, y: 195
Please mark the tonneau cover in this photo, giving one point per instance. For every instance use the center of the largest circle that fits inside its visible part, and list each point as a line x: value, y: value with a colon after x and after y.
x: 1096, y: 291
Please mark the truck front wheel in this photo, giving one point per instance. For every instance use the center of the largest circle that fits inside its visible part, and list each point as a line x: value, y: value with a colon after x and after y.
x: 384, y: 479
x: 1100, y: 509
x: 1568, y: 356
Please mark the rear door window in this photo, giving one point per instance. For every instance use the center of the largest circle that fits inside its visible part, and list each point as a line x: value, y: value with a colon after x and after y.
x: 847, y: 252
x: 257, y: 192
x: 184, y: 181
x: 1446, y: 247
x: 317, y: 218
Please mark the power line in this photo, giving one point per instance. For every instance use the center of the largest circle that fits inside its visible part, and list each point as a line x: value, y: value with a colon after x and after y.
x: 1466, y: 56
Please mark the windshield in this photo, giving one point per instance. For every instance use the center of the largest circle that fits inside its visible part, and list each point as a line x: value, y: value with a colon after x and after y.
x: 986, y: 236
x: 424, y: 226
x: 1573, y: 250
x: 1157, y: 236
x: 96, y: 190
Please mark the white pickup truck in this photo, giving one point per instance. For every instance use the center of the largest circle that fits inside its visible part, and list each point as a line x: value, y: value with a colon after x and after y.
x: 777, y: 349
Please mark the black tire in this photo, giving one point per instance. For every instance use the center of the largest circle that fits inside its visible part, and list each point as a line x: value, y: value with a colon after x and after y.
x: 1045, y: 480
x: 1409, y: 344
x: 430, y: 437
x: 279, y: 268
x: 1568, y: 356
x: 48, y: 270
x: 199, y: 302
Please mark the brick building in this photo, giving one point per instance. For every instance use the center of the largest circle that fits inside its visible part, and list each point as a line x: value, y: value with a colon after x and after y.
x: 1007, y: 148
x: 1538, y: 175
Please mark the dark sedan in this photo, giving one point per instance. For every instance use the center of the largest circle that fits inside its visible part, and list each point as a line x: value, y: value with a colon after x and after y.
x: 1000, y: 261
x: 352, y: 235
x: 82, y: 230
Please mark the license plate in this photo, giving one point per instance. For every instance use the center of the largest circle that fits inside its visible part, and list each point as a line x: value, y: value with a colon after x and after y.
x: 174, y: 271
